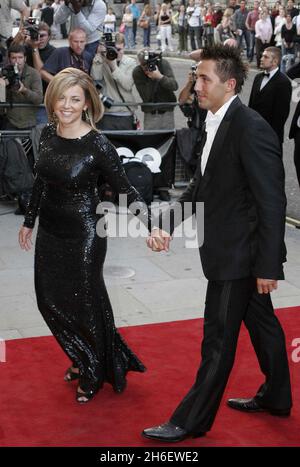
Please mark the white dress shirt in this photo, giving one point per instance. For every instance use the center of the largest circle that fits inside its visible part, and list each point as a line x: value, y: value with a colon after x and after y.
x: 212, y: 123
x: 266, y: 79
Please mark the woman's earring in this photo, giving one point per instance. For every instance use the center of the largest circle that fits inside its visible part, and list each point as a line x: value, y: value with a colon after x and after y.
x: 54, y: 118
x: 86, y: 116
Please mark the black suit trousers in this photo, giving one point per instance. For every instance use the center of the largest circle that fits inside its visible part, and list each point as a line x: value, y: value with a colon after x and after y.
x: 228, y: 303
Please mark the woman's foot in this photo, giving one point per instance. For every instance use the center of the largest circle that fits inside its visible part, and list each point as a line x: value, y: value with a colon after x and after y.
x: 71, y: 374
x: 82, y: 397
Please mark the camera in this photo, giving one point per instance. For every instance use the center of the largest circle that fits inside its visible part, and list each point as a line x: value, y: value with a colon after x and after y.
x: 106, y: 100
x: 110, y: 45
x: 194, y: 71
x: 11, y: 74
x: 31, y: 25
x: 151, y: 59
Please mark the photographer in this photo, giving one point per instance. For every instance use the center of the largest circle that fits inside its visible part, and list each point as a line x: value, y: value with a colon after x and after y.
x: 36, y: 40
x: 189, y: 103
x: 188, y: 139
x: 74, y: 56
x: 85, y: 14
x: 112, y: 73
x: 155, y: 82
x: 23, y: 85
x: 6, y: 22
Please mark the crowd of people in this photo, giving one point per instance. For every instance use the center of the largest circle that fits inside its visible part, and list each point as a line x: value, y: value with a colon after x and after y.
x: 96, y: 46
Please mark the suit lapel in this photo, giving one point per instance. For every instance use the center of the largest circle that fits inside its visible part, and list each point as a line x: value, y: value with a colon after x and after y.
x: 218, y: 143
x: 269, y: 83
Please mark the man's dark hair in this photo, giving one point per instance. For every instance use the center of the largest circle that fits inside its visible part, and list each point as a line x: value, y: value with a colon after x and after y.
x: 17, y: 49
x: 229, y: 63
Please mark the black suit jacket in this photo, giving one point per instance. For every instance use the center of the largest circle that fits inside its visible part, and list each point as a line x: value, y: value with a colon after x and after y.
x: 273, y: 101
x: 244, y: 200
x: 294, y: 72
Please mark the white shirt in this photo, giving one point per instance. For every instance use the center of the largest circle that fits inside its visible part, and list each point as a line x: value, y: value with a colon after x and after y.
x: 193, y: 13
x: 266, y: 79
x: 212, y: 123
x: 109, y: 23
x: 264, y: 30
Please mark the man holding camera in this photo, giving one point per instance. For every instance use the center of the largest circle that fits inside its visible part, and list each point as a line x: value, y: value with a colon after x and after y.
x: 85, y: 14
x: 23, y: 85
x: 74, y: 56
x: 36, y: 39
x: 112, y: 73
x: 6, y: 23
x: 155, y: 82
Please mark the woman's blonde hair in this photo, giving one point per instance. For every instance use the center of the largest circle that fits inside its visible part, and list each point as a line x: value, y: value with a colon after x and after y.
x: 66, y: 79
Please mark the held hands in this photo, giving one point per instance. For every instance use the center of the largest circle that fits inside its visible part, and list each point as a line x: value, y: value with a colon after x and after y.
x: 159, y: 240
x: 266, y: 285
x: 25, y: 235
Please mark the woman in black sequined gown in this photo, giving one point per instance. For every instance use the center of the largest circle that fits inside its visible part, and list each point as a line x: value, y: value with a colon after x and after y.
x: 69, y: 254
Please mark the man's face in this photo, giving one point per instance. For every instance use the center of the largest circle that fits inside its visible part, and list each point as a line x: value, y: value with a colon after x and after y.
x: 17, y: 59
x: 290, y: 4
x: 120, y: 49
x: 43, y: 38
x: 242, y: 5
x: 256, y: 5
x: 77, y: 42
x: 210, y: 90
x: 267, y: 61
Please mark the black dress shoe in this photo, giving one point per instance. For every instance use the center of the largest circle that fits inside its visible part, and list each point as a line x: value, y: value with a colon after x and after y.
x: 169, y: 433
x: 251, y: 406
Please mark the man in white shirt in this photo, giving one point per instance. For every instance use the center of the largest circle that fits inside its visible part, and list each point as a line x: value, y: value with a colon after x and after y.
x: 6, y: 22
x: 85, y: 14
x: 240, y: 179
x: 194, y: 21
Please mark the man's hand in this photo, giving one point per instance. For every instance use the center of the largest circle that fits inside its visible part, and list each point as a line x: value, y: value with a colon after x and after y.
x: 21, y: 37
x: 159, y: 240
x: 156, y: 74
x: 21, y: 88
x: 266, y: 285
x: 33, y: 44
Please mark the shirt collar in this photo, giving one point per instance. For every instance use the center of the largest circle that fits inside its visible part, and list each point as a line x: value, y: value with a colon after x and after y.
x: 272, y: 72
x: 219, y: 115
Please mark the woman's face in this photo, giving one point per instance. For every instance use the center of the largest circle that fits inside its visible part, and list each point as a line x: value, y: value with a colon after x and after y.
x: 69, y: 106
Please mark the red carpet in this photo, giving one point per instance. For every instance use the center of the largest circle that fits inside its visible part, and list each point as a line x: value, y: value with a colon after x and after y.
x: 38, y: 408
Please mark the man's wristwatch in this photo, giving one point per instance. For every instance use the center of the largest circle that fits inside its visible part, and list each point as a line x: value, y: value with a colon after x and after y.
x: 35, y: 50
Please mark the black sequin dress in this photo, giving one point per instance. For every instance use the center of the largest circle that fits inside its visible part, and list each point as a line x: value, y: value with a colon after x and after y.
x: 69, y: 255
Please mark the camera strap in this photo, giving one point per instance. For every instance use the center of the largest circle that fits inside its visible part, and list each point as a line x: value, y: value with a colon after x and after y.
x: 123, y: 100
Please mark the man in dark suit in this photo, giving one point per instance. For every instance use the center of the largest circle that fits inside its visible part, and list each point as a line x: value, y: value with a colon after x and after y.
x: 271, y: 92
x: 294, y: 72
x: 240, y: 179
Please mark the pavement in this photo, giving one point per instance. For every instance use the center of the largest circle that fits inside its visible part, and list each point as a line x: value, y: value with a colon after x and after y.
x: 144, y: 287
